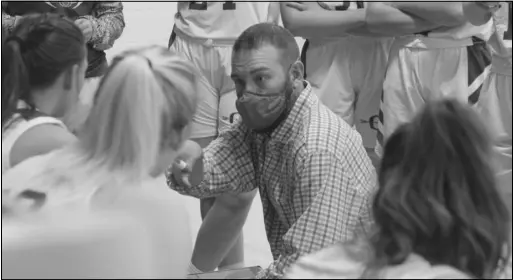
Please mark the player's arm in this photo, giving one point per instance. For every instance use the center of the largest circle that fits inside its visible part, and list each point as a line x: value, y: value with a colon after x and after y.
x: 8, y: 21
x: 447, y: 13
x: 224, y: 168
x: 317, y: 22
x: 273, y: 14
x: 388, y: 20
x: 108, y: 24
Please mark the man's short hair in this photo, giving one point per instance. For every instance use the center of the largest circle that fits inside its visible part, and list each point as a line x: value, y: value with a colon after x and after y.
x: 262, y: 34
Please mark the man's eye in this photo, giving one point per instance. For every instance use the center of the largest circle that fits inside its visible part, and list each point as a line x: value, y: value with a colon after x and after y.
x: 262, y: 78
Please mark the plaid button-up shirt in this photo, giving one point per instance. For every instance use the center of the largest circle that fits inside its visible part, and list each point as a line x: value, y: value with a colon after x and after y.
x: 313, y: 173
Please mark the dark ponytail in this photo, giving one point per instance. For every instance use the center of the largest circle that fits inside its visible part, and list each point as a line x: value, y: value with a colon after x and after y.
x: 14, y: 78
x: 34, y: 55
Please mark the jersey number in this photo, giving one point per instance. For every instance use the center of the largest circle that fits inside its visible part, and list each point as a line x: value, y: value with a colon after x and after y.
x: 345, y: 5
x: 202, y: 5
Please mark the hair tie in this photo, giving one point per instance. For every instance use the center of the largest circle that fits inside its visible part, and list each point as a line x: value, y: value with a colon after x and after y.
x: 17, y: 39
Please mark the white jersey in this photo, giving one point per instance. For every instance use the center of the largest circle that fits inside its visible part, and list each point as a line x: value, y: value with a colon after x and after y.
x: 501, y: 43
x: 219, y: 20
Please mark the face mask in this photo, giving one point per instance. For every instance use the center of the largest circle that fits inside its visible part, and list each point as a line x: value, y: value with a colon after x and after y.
x: 264, y: 112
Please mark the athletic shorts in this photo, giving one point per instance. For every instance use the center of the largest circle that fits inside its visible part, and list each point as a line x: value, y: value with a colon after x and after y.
x: 347, y: 74
x: 417, y: 75
x: 216, y: 107
x: 494, y: 105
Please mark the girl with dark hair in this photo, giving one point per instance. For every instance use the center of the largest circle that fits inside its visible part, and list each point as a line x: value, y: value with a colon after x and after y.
x: 438, y: 213
x: 44, y: 61
x: 101, y: 22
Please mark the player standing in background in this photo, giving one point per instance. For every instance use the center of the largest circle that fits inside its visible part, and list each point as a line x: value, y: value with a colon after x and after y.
x: 437, y: 53
x: 346, y: 71
x: 495, y: 101
x: 101, y: 22
x: 204, y: 33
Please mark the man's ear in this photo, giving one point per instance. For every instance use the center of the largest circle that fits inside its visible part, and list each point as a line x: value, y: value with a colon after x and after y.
x: 297, y: 71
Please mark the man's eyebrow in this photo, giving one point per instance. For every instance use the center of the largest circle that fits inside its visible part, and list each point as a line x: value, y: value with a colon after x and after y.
x: 259, y: 69
x: 234, y: 75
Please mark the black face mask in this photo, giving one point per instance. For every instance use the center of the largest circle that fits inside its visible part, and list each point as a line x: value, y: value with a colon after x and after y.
x: 262, y: 113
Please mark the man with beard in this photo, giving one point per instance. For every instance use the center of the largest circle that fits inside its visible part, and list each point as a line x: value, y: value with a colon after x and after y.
x: 314, y: 176
x: 101, y: 22
x: 204, y: 33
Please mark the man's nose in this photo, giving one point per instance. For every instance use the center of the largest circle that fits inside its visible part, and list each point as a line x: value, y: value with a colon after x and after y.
x: 250, y: 87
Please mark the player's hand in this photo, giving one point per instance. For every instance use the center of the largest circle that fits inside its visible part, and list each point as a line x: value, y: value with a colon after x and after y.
x: 86, y: 26
x: 187, y: 169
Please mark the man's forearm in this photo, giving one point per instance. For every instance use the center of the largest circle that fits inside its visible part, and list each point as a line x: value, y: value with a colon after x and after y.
x: 312, y: 24
x: 444, y: 13
x: 365, y: 32
x: 388, y: 20
x: 220, y: 230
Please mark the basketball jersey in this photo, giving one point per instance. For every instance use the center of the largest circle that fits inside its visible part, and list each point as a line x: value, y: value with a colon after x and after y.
x: 219, y: 20
x: 341, y: 5
x: 16, y: 128
x: 501, y: 44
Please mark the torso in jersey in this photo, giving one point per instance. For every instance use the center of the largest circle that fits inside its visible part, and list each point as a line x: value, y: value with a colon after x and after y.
x: 219, y: 20
x: 502, y: 47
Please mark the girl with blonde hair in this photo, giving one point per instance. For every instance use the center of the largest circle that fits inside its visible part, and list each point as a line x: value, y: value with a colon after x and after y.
x: 139, y: 120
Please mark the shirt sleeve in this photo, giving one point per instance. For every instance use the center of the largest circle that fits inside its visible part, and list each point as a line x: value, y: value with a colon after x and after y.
x: 108, y: 24
x: 328, y: 205
x: 8, y: 21
x: 227, y: 168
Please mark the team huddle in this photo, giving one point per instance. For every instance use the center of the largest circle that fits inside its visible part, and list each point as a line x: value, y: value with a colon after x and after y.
x: 321, y: 133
